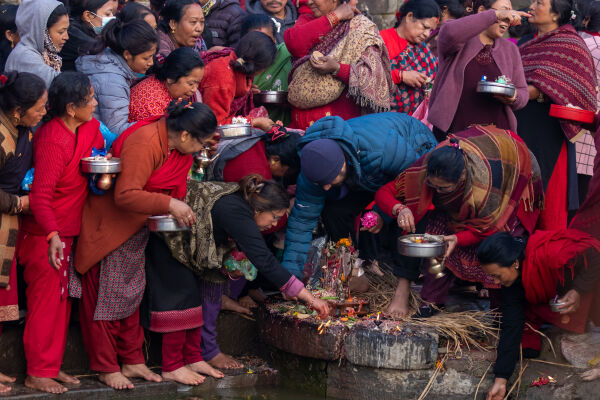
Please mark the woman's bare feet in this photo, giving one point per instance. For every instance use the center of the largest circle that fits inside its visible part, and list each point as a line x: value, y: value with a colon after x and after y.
x: 66, y: 378
x: 140, y: 371
x: 247, y: 302
x: 399, y: 306
x: 227, y: 303
x: 223, y: 361
x: 115, y: 380
x: 5, y: 379
x: 4, y: 388
x: 204, y: 368
x: 184, y: 375
x: 47, y: 385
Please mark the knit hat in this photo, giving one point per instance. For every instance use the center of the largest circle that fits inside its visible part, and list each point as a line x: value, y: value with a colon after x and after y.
x: 321, y: 161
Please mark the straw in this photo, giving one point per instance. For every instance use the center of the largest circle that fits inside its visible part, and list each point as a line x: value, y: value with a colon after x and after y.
x: 481, y: 380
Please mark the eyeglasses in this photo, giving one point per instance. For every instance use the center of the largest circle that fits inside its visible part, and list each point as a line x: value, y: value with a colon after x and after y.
x: 440, y: 189
x: 275, y: 217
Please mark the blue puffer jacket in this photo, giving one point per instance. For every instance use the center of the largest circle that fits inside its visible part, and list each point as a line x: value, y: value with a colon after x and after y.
x: 377, y: 146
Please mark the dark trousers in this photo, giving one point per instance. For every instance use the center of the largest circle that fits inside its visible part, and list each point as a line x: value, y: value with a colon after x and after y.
x: 338, y: 215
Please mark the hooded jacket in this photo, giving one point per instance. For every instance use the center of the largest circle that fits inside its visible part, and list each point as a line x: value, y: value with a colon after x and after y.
x: 377, y: 148
x: 31, y: 20
x: 281, y: 25
x: 224, y: 20
x: 112, y: 79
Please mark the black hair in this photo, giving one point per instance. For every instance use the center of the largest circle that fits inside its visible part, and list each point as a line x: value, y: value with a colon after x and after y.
x: 264, y: 195
x: 156, y: 5
x: 466, y: 4
x: 284, y: 146
x: 68, y: 87
x: 255, y: 51
x: 133, y: 11
x: 486, y: 4
x: 136, y: 37
x: 524, y: 29
x: 8, y: 13
x: 78, y: 7
x: 446, y: 163
x: 568, y: 12
x: 56, y: 15
x: 195, y: 118
x: 20, y: 90
x: 593, y: 17
x: 501, y: 248
x: 254, y: 22
x: 421, y: 9
x: 179, y: 63
x: 173, y: 10
x: 454, y: 7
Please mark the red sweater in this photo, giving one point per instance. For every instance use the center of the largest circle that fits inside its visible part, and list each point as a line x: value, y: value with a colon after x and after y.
x: 252, y: 161
x: 59, y: 189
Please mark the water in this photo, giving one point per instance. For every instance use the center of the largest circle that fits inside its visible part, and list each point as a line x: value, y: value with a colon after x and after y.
x: 256, y: 393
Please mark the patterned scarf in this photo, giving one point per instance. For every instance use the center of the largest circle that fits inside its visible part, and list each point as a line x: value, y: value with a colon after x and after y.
x: 414, y: 58
x: 357, y: 43
x: 559, y: 64
x: 50, y: 53
x: 501, y: 173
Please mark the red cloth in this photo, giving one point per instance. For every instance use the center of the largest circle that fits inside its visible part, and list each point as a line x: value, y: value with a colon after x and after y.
x: 555, y: 214
x: 48, y: 306
x: 252, y: 161
x: 59, y: 189
x: 148, y: 98
x: 394, y: 43
x: 181, y: 348
x: 547, y: 255
x: 9, y: 295
x: 107, y: 342
x: 171, y: 177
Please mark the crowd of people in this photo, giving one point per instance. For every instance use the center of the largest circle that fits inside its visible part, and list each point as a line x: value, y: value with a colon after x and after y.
x: 386, y: 121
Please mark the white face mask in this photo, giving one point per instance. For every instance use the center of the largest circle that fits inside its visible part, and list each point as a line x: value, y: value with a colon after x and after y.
x: 105, y: 21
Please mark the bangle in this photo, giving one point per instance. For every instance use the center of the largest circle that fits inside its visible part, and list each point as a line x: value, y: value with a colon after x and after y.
x: 339, y: 66
x: 402, y: 76
x: 333, y: 19
x: 401, y: 207
x: 19, y: 208
x: 51, y: 235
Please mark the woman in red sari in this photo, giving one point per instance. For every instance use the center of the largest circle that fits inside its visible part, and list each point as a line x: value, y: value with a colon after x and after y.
x: 57, y: 196
x: 156, y: 156
x: 340, y: 65
x: 413, y: 63
x: 563, y: 263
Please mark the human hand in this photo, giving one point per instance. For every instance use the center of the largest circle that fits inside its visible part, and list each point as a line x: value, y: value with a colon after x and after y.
x: 498, y: 390
x: 255, y: 89
x: 325, y: 65
x: 405, y: 218
x: 345, y: 11
x: 263, y: 123
x: 512, y: 17
x: 572, y: 300
x: 182, y: 212
x: 55, y: 252
x: 505, y: 99
x: 451, y: 242
x: 321, y: 306
x: 24, y: 204
x: 414, y: 78
x: 375, y: 229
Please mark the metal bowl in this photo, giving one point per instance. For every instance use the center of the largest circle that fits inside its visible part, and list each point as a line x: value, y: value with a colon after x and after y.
x: 505, y: 89
x: 274, y: 97
x: 434, y: 247
x: 233, y: 131
x: 164, y: 223
x: 91, y: 165
x: 554, y: 304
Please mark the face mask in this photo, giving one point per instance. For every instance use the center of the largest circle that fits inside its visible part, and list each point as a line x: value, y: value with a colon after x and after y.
x: 105, y: 21
x: 140, y: 75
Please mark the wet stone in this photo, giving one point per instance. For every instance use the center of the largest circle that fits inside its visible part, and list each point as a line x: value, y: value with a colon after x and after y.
x: 407, y: 349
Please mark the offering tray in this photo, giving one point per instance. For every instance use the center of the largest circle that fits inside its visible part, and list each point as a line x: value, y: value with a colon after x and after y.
x: 274, y: 97
x: 421, y: 246
x: 164, y: 223
x: 100, y: 165
x: 505, y: 89
x: 571, y: 113
x: 233, y: 131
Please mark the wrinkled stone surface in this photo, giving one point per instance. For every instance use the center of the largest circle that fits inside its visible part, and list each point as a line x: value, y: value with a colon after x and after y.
x: 411, y: 348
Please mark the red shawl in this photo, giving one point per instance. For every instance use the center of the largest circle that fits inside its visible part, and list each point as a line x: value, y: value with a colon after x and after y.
x: 547, y: 255
x: 560, y: 65
x: 171, y: 177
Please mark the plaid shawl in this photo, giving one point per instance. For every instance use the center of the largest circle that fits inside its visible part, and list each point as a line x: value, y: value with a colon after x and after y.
x: 560, y: 65
x: 501, y: 173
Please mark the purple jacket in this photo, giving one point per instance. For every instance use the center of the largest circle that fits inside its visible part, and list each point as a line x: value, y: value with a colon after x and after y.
x: 458, y: 44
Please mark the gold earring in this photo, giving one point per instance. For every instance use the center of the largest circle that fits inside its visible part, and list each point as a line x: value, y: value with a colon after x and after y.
x: 173, y: 30
x: 554, y: 19
x: 16, y: 119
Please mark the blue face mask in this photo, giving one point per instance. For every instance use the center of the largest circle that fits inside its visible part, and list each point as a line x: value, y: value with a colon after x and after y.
x: 105, y: 21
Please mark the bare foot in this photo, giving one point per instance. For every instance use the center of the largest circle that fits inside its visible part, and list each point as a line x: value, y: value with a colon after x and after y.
x: 257, y: 295
x: 223, y: 361
x: 6, y: 379
x: 66, y: 378
x: 140, y: 371
x: 184, y: 375
x: 375, y: 268
x: 47, y: 385
x: 247, y: 302
x: 399, y: 306
x: 231, y: 305
x: 204, y: 368
x: 4, y: 388
x: 115, y: 380
x: 591, y: 374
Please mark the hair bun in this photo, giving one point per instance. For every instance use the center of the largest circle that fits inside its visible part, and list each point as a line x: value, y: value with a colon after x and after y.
x: 178, y: 107
x: 253, y: 184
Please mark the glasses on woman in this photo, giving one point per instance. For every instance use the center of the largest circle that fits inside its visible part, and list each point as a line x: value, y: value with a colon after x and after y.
x: 440, y: 189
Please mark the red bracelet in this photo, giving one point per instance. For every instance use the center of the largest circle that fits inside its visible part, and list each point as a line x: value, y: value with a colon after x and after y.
x: 399, y: 209
x: 402, y: 76
x: 333, y: 19
x: 51, y: 235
